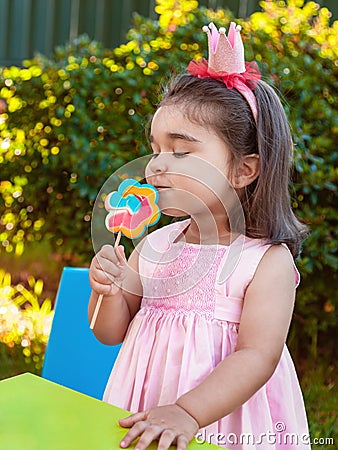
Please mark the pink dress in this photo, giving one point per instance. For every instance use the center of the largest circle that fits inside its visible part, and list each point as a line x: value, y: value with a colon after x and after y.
x: 187, y: 324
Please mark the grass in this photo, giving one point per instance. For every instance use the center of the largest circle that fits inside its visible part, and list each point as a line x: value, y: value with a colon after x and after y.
x: 319, y: 390
x: 13, y: 362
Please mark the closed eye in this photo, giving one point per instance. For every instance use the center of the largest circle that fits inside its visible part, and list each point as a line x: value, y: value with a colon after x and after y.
x: 180, y: 154
x: 176, y: 154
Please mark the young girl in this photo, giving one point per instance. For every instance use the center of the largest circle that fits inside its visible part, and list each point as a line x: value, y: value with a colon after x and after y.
x: 203, y: 305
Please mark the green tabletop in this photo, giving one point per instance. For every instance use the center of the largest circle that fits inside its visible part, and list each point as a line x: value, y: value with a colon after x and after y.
x: 36, y: 414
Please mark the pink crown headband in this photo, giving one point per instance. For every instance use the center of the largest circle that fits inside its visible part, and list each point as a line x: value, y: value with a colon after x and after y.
x: 226, y: 63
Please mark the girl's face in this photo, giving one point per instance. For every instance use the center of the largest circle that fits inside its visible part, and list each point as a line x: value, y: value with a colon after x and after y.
x: 189, y: 166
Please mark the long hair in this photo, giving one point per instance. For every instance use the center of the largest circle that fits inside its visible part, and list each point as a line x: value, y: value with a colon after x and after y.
x: 266, y: 201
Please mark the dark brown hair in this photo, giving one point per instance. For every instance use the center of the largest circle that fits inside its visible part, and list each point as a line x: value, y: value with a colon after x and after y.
x: 266, y: 201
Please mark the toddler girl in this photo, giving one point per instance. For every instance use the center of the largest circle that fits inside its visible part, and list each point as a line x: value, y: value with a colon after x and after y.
x: 203, y: 305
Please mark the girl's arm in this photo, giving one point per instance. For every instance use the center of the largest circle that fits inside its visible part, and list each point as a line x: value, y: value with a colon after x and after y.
x: 265, y: 321
x: 120, y: 301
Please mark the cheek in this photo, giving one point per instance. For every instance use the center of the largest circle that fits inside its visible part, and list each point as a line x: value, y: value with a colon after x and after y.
x: 202, y: 181
x: 208, y: 185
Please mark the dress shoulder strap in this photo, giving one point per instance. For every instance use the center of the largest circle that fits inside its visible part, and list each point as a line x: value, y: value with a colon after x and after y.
x: 243, y: 265
x: 162, y: 238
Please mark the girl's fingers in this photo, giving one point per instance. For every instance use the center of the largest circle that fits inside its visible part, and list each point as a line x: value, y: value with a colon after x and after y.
x: 129, y: 421
x: 182, y: 442
x: 147, y: 435
x: 100, y: 289
x: 104, y: 284
x: 166, y: 440
x: 134, y: 432
x: 168, y: 424
x: 119, y: 251
x: 108, y: 274
x: 101, y: 281
x: 137, y: 424
x: 113, y: 254
x: 105, y: 289
x: 107, y: 268
x: 104, y: 264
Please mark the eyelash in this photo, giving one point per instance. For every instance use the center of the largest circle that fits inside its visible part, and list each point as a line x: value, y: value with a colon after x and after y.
x: 180, y: 154
x: 176, y: 154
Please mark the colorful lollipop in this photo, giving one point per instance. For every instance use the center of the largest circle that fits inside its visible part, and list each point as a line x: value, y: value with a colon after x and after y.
x: 131, y: 209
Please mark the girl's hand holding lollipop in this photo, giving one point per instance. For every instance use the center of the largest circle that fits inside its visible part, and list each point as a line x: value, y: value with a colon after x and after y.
x: 131, y: 209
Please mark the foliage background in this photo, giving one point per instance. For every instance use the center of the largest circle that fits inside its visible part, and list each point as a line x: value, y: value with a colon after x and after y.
x: 74, y: 119
x: 71, y: 120
x: 24, y: 331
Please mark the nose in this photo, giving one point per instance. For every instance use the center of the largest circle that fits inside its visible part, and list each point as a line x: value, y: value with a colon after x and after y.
x: 157, y: 164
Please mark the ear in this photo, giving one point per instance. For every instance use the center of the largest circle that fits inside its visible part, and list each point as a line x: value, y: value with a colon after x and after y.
x: 247, y: 170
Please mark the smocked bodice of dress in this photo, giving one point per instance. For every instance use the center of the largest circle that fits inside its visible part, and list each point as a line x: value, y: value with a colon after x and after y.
x: 184, y: 280
x: 205, y: 280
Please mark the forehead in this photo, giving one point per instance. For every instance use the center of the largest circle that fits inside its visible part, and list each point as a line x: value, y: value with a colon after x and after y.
x: 173, y: 120
x: 171, y: 113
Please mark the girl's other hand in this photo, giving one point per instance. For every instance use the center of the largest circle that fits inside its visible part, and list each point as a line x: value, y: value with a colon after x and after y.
x: 107, y: 270
x: 168, y: 424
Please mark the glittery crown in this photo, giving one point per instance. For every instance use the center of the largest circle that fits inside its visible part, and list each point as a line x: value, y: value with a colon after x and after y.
x: 227, y: 64
x: 226, y: 53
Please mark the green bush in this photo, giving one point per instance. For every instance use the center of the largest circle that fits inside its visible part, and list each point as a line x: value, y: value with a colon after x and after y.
x: 74, y: 119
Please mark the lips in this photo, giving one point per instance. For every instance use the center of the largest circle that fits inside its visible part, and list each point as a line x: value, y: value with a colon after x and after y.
x: 159, y: 187
x: 159, y: 182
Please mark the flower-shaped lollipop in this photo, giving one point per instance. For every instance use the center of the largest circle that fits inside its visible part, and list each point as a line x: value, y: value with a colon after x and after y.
x: 131, y: 209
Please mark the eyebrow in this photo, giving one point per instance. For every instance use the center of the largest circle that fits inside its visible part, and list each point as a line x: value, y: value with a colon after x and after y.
x: 178, y: 136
